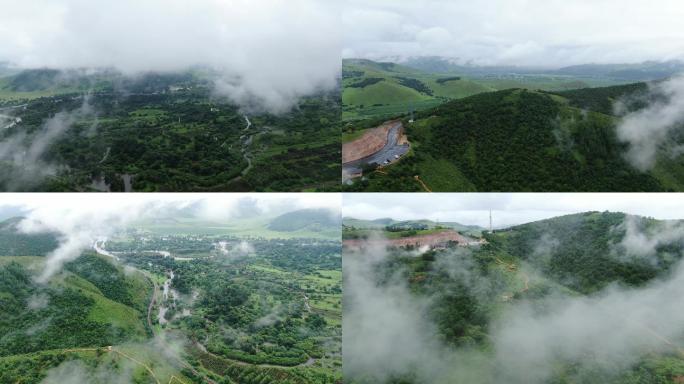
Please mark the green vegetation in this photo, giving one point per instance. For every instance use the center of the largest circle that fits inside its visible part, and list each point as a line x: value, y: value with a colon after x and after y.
x: 373, y: 89
x: 581, y: 254
x: 355, y: 228
x: 169, y: 133
x: 237, y: 309
x: 383, y: 89
x: 276, y: 305
x: 65, y: 314
x: 469, y: 293
x: 13, y: 243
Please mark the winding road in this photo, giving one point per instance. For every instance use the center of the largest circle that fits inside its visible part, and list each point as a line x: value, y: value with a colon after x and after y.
x: 387, y: 154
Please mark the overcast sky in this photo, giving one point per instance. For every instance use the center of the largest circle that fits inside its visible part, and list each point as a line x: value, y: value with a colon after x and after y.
x: 277, y: 49
x: 508, y: 209
x: 213, y: 206
x: 516, y: 32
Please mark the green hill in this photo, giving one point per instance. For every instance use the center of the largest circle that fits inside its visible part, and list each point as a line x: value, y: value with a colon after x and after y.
x: 315, y: 220
x: 90, y: 305
x: 379, y: 89
x: 521, y: 140
x: 376, y: 89
x: 579, y: 250
x: 77, y: 309
x: 380, y: 224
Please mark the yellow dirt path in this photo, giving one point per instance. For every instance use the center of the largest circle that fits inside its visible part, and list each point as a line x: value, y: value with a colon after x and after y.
x: 423, y: 184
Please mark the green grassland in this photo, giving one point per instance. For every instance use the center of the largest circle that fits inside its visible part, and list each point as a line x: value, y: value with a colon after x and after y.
x: 245, y: 227
x: 87, y: 307
x: 373, y: 89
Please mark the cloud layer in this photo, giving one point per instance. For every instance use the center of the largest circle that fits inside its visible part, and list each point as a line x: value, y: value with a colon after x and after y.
x: 516, y: 32
x: 650, y: 129
x: 269, y: 51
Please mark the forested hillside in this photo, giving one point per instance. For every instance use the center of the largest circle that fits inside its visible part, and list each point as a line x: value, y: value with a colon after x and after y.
x: 521, y: 140
x: 488, y: 309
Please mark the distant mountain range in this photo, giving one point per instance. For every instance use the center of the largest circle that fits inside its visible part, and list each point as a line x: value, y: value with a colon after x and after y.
x: 315, y: 220
x: 646, y: 71
x: 472, y: 230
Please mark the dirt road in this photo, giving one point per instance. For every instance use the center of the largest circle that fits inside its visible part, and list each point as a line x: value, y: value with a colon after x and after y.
x: 431, y: 240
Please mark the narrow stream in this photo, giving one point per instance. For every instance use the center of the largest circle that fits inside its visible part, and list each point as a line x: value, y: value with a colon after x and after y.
x: 165, y: 297
x: 246, y: 142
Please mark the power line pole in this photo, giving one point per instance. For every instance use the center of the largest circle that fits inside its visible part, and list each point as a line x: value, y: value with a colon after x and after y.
x: 490, y: 221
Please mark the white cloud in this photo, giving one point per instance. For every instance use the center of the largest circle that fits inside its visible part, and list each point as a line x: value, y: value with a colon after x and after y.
x: 80, y: 219
x: 516, y: 32
x: 389, y: 334
x: 269, y: 51
x: 649, y: 129
x: 508, y: 208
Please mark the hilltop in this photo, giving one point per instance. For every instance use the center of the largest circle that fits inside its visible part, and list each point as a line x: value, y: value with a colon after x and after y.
x: 315, y: 220
x: 350, y: 223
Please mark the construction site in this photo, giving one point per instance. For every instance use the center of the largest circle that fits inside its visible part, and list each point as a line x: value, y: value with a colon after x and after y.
x: 377, y: 147
x: 436, y: 240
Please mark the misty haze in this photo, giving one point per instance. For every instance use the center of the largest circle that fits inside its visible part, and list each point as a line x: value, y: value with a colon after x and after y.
x: 588, y: 297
